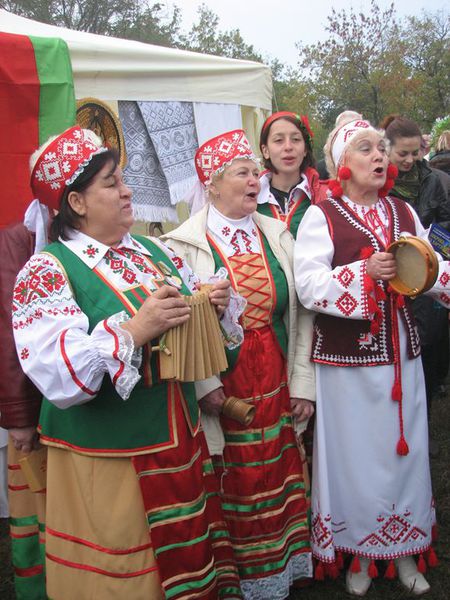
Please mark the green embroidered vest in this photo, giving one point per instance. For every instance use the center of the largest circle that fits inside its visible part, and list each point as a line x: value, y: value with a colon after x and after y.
x: 108, y: 425
x: 282, y: 297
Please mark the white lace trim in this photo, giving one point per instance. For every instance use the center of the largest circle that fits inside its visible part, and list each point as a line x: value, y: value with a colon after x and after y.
x: 130, y: 356
x: 276, y: 587
x: 83, y: 165
x: 231, y: 329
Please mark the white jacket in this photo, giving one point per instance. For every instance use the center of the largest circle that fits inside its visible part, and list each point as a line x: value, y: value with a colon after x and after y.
x: 189, y: 241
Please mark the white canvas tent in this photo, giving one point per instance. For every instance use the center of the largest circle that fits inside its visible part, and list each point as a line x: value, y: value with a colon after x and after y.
x: 225, y: 93
x: 116, y: 69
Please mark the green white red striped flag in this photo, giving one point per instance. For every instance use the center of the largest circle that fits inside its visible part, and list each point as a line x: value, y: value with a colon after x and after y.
x: 37, y: 100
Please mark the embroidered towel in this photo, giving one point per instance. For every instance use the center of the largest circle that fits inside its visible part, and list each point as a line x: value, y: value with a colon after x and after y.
x: 143, y: 173
x: 171, y: 128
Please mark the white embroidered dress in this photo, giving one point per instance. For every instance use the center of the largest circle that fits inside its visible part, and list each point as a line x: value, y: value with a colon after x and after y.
x: 366, y: 499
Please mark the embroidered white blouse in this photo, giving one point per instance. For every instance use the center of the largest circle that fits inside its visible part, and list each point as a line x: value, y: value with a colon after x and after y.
x: 233, y: 236
x: 51, y: 332
x: 340, y: 291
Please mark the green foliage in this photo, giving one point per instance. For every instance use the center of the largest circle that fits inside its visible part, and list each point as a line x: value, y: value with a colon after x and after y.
x: 206, y: 37
x: 375, y: 65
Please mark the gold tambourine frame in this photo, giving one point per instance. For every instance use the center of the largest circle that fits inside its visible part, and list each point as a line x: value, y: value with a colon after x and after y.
x: 98, y: 116
x: 417, y: 266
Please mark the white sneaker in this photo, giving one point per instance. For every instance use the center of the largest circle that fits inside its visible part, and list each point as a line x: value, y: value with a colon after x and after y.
x: 410, y: 577
x: 358, y: 583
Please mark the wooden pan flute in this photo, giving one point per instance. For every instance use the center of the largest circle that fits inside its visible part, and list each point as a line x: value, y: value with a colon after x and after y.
x: 194, y: 350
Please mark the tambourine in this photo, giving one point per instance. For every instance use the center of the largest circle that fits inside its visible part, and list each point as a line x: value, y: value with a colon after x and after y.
x: 417, y: 266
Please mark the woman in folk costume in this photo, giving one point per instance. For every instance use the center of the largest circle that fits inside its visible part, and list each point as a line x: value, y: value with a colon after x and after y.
x: 259, y: 466
x: 371, y: 490
x: 132, y: 505
x: 290, y: 183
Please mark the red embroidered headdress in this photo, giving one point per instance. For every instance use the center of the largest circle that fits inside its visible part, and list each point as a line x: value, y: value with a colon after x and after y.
x: 61, y: 162
x: 219, y: 152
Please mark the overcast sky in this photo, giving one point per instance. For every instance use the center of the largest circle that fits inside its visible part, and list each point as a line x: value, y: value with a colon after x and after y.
x: 273, y: 26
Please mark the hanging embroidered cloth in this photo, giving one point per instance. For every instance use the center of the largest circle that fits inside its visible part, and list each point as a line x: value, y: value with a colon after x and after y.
x: 143, y: 173
x: 171, y: 128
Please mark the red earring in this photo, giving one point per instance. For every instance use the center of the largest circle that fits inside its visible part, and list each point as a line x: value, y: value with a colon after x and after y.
x: 392, y: 172
x: 344, y: 173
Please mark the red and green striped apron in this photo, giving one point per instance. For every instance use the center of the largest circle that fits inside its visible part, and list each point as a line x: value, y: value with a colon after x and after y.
x: 262, y: 486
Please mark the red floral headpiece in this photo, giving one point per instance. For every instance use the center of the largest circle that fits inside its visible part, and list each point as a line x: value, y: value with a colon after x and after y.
x: 219, y: 152
x: 303, y: 123
x: 61, y: 162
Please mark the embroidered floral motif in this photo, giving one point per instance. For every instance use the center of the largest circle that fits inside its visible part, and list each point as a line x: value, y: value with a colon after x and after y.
x: 444, y: 279
x: 321, y: 534
x: 366, y: 342
x: 178, y: 262
x: 346, y: 304
x: 53, y: 281
x: 394, y: 529
x: 226, y: 231
x: 24, y: 354
x: 128, y: 276
x: 345, y: 277
x: 90, y: 251
x: 445, y: 298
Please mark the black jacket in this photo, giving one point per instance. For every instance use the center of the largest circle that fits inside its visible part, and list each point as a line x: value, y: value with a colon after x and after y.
x: 441, y: 160
x: 433, y: 205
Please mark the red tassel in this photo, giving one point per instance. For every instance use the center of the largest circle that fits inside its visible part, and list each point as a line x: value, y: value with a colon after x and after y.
x: 396, y: 393
x: 372, y: 571
x: 319, y: 574
x: 391, y: 571
x: 402, y: 447
x: 374, y: 328
x: 335, y: 188
x: 356, y: 565
x: 366, y: 252
x: 400, y: 301
x: 344, y: 173
x: 379, y: 293
x: 432, y: 558
x: 392, y: 171
x: 369, y: 284
x: 371, y: 305
x: 434, y: 533
x: 382, y: 192
x: 332, y: 570
x: 421, y: 564
x: 340, y: 560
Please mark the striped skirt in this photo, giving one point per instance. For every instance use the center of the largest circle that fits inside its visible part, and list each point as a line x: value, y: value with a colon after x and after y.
x: 261, y: 475
x: 149, y: 527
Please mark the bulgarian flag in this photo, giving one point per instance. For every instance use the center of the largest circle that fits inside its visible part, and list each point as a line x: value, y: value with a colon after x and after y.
x: 37, y: 100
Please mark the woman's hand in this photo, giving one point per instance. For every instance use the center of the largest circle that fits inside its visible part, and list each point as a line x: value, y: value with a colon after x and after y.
x: 220, y: 295
x: 212, y: 403
x: 25, y: 439
x: 381, y: 265
x: 302, y: 409
x: 164, y: 309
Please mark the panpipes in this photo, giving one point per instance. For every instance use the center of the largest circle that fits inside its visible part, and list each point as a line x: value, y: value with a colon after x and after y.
x: 194, y: 350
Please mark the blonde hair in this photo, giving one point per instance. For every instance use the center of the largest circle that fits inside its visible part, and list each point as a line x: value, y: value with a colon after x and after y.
x: 443, y: 142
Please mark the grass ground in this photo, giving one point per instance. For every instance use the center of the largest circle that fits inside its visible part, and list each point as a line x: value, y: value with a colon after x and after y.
x: 381, y: 589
